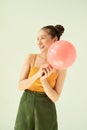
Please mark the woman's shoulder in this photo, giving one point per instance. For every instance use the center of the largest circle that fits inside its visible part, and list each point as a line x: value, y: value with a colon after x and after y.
x: 61, y: 71
x: 30, y: 55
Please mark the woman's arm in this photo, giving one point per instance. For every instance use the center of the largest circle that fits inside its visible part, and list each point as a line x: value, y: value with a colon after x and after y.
x: 54, y: 94
x: 24, y: 82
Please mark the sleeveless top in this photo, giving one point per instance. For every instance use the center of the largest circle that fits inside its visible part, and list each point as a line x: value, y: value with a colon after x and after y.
x: 37, y: 86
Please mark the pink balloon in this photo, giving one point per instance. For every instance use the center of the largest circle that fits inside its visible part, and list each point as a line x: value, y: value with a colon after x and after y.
x: 61, y: 54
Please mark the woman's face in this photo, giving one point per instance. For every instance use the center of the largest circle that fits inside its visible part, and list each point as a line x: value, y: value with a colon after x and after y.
x: 44, y: 40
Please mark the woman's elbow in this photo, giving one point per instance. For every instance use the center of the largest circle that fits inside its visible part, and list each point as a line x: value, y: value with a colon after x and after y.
x: 55, y: 99
x: 20, y: 86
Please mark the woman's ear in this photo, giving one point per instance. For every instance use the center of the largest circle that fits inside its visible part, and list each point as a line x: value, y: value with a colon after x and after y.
x: 55, y: 39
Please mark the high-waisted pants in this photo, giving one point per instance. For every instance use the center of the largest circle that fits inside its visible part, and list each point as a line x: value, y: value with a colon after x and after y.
x: 36, y: 112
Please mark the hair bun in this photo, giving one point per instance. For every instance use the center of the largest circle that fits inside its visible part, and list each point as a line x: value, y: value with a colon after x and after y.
x: 60, y: 29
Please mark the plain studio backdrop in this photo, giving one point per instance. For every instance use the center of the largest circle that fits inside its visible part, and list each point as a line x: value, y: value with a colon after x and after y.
x: 20, y: 21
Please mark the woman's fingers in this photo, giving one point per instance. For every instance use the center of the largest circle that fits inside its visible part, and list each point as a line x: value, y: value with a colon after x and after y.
x: 47, y: 70
x: 44, y: 72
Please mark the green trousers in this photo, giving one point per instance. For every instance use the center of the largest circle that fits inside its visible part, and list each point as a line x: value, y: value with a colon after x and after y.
x: 36, y: 112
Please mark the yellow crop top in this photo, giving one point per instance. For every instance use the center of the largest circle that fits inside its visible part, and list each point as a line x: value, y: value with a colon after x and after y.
x: 37, y: 86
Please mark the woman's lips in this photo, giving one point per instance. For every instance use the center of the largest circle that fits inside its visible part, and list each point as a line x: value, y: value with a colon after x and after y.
x: 41, y: 47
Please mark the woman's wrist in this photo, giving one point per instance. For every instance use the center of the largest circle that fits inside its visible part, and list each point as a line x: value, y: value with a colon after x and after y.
x: 38, y: 75
x: 43, y: 80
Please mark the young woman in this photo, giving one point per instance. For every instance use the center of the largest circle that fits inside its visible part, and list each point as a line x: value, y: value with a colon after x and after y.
x: 42, y: 85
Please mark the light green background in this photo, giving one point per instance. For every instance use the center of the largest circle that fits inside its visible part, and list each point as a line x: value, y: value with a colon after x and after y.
x: 20, y: 21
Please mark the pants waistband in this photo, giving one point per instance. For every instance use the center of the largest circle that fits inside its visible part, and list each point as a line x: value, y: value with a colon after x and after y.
x: 36, y: 93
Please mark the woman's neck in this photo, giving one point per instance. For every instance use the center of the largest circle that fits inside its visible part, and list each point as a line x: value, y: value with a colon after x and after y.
x: 43, y: 55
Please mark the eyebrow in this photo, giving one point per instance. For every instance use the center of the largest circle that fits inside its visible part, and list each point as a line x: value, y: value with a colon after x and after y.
x: 42, y: 35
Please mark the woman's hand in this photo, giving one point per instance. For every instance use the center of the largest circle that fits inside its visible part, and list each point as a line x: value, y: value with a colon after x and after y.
x: 45, y: 71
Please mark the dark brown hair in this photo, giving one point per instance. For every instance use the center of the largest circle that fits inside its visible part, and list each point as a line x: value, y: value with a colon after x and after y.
x: 54, y: 30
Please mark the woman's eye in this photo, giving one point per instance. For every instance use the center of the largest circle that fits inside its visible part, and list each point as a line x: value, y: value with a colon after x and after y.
x: 43, y: 38
x: 40, y: 38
